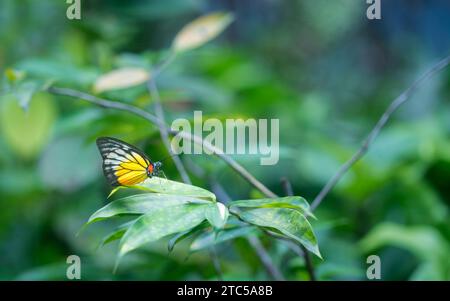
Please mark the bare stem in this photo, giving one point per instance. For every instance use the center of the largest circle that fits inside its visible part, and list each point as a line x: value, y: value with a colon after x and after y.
x: 395, y: 104
x: 164, y: 133
x: 164, y: 64
x: 216, y: 263
x: 265, y: 258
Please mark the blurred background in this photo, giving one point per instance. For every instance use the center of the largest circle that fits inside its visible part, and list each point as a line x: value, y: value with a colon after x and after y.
x: 321, y: 67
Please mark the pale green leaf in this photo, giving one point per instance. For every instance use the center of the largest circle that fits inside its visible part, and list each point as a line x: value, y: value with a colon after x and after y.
x: 217, y: 215
x: 292, y: 202
x: 427, y: 244
x: 141, y: 204
x: 423, y: 241
x: 160, y: 223
x: 116, y: 234
x: 201, y: 30
x: 161, y: 185
x: 290, y: 223
x: 185, y: 234
x: 27, y: 132
x: 121, y: 78
x: 210, y: 239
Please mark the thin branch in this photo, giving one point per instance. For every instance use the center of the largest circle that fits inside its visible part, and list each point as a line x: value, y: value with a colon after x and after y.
x: 156, y: 121
x: 163, y: 65
x: 105, y: 103
x: 231, y: 162
x: 151, y: 85
x: 216, y: 263
x: 395, y: 104
x: 304, y: 253
x: 265, y: 258
x: 287, y: 186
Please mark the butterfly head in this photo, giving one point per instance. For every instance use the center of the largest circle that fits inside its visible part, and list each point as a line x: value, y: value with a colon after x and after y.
x: 154, y: 169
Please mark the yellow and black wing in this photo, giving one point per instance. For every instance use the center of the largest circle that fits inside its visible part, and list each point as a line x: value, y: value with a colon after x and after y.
x: 123, y: 164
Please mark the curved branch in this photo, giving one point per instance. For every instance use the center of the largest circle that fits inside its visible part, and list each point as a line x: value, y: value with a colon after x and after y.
x: 395, y: 104
x: 105, y: 103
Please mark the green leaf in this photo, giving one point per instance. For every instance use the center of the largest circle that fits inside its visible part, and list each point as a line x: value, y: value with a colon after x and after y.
x: 121, y: 78
x: 27, y: 132
x: 159, y: 223
x: 141, y: 204
x: 217, y: 215
x: 292, y: 202
x: 156, y: 184
x: 290, y: 223
x: 116, y: 234
x: 425, y: 242
x: 210, y: 239
x: 185, y: 234
x: 201, y: 30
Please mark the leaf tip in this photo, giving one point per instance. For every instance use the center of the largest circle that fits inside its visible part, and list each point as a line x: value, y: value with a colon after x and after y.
x: 317, y: 252
x: 113, y: 191
x: 83, y: 227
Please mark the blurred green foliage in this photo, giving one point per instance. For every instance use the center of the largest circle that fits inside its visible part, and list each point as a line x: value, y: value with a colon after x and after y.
x: 319, y: 66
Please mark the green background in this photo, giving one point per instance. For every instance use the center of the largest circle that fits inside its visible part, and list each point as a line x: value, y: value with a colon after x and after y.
x: 321, y: 67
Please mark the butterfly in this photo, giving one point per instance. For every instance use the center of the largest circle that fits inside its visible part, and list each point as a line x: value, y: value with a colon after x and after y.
x: 124, y: 164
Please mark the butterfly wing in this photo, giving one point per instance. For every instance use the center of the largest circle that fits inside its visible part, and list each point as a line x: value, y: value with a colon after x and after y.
x: 123, y: 164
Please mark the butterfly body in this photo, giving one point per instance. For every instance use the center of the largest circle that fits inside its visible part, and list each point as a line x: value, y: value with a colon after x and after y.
x: 124, y: 164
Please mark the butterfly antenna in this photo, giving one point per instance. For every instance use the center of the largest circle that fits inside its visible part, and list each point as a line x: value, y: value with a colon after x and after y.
x: 167, y: 157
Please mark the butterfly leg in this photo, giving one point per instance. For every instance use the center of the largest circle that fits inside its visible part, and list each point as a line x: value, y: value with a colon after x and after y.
x: 162, y: 172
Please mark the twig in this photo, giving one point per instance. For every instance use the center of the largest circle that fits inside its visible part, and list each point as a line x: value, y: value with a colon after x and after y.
x: 304, y: 253
x: 265, y: 258
x: 105, y: 103
x: 287, y: 186
x: 151, y: 85
x: 395, y: 104
x: 216, y: 262
x: 163, y: 65
x: 156, y: 121
x: 231, y: 162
